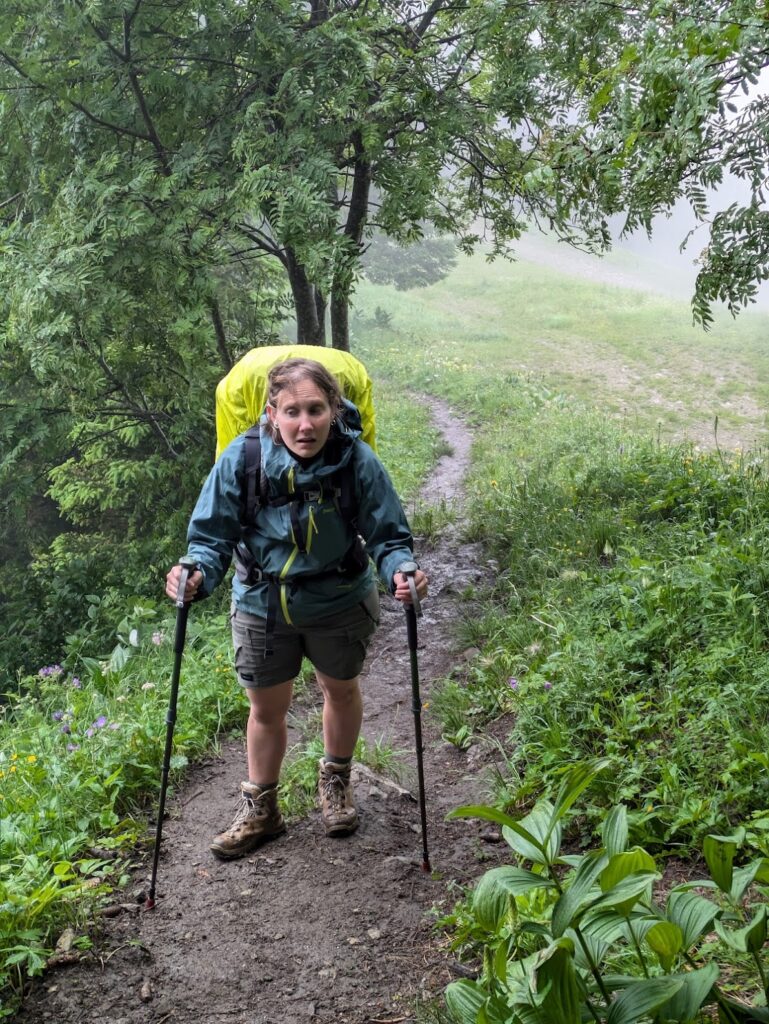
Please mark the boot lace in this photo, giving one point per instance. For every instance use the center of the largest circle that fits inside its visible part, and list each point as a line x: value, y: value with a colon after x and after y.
x: 248, y: 807
x: 334, y: 790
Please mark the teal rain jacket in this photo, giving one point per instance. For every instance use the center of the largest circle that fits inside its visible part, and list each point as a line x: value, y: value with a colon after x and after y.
x: 310, y: 586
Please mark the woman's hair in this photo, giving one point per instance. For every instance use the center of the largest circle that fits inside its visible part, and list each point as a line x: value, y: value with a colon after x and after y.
x: 286, y: 375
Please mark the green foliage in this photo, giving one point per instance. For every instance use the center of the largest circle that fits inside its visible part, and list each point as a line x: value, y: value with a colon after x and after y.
x: 584, y: 936
x: 80, y: 766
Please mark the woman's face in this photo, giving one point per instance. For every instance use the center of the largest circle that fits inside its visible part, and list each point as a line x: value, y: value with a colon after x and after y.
x: 303, y: 417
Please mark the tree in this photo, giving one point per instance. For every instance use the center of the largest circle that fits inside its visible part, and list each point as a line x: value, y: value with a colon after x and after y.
x: 668, y: 105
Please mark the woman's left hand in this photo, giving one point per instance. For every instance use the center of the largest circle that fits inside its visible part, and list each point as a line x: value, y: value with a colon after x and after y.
x: 402, y: 590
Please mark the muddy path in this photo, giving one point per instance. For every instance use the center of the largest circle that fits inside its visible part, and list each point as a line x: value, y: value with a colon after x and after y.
x: 307, y: 928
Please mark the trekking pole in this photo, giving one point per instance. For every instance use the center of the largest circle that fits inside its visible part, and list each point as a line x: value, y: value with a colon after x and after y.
x: 413, y: 612
x: 188, y: 566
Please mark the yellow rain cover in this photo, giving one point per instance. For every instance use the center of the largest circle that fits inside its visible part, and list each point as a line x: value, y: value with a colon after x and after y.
x: 242, y: 395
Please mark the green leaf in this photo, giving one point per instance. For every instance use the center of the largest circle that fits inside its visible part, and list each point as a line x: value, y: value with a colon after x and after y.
x: 744, y: 876
x: 749, y: 939
x: 491, y: 899
x: 544, y: 838
x: 557, y: 977
x: 604, y: 925
x: 742, y: 1013
x: 692, y: 913
x: 666, y: 939
x: 573, y: 899
x: 685, y: 1004
x: 576, y: 782
x: 642, y: 999
x: 623, y: 864
x: 626, y: 893
x: 508, y: 823
x: 615, y: 830
x: 463, y: 1000
x: 719, y: 854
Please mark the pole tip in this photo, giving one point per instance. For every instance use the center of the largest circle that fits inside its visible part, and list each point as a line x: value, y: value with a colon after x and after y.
x: 426, y: 867
x: 150, y: 904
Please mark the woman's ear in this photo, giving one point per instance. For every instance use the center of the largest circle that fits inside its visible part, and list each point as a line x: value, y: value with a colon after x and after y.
x: 271, y: 413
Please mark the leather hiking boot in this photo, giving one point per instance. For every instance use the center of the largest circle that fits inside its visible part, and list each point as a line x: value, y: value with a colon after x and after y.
x: 337, y: 808
x: 256, y: 820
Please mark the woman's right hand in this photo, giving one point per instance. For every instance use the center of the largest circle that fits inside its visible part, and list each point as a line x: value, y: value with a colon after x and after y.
x: 193, y: 583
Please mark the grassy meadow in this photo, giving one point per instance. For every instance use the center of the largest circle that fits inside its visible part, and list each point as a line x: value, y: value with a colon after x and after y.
x: 629, y: 620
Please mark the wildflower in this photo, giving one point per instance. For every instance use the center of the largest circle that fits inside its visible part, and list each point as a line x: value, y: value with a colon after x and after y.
x: 547, y: 686
x: 50, y: 670
x: 100, y: 722
x: 89, y: 732
x: 512, y: 682
x: 148, y: 686
x: 65, y: 729
x: 57, y: 716
x: 121, y: 698
x: 158, y: 637
x: 76, y: 683
x: 71, y: 747
x: 114, y: 725
x: 32, y: 759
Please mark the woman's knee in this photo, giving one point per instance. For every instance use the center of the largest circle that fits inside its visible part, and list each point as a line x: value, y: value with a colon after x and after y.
x: 339, y: 691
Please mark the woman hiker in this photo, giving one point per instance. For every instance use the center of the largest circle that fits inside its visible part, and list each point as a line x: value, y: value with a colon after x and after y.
x: 303, y: 586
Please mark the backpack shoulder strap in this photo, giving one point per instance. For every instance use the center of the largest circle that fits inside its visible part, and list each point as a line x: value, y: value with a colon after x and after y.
x: 254, y: 486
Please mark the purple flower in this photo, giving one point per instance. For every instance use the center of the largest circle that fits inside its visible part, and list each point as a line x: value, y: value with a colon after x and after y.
x: 89, y: 732
x: 114, y: 725
x: 512, y: 682
x: 72, y: 747
x: 57, y: 716
x: 100, y: 722
x: 76, y: 682
x: 65, y: 729
x: 50, y: 670
x: 547, y: 685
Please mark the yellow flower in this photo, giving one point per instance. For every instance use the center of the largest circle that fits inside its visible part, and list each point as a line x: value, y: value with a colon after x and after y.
x: 12, y: 768
x: 494, y: 483
x: 32, y: 759
x: 14, y: 757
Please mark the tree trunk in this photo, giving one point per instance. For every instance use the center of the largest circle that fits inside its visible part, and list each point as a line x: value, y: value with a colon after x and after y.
x: 320, y: 306
x: 308, y: 330
x: 341, y: 286
x: 340, y: 319
x: 221, y: 337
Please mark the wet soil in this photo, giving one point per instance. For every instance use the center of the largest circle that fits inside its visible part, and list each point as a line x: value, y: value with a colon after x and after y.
x: 308, y: 928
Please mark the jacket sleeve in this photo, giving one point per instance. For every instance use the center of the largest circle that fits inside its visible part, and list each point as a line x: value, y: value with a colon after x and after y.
x: 214, y: 527
x: 381, y: 520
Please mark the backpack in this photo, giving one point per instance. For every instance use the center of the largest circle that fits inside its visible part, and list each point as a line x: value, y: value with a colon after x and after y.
x: 242, y: 395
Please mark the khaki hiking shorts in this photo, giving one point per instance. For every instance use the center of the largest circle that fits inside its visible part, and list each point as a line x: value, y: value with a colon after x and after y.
x: 336, y: 646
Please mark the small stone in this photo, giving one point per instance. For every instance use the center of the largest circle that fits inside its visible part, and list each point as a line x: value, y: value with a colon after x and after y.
x: 247, y: 892
x: 353, y: 941
x: 374, y: 933
x: 146, y: 992
x: 64, y: 944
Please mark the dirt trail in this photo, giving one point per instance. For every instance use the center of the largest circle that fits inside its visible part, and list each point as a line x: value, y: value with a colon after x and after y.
x: 336, y: 931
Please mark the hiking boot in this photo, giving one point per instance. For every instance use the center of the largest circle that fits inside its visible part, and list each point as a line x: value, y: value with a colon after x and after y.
x: 337, y: 808
x: 257, y: 819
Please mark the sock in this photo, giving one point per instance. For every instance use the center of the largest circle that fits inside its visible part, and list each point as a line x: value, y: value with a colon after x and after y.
x: 336, y: 760
x: 264, y: 786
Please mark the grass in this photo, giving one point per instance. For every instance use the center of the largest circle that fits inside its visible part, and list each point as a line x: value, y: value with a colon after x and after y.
x: 634, y: 354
